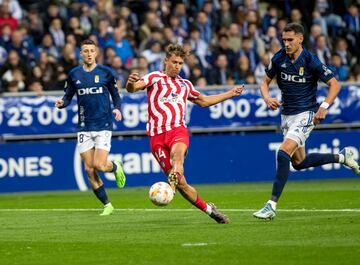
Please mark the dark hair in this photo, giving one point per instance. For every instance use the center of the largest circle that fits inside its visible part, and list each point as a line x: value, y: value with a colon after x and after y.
x: 175, y: 49
x: 87, y: 42
x: 296, y: 27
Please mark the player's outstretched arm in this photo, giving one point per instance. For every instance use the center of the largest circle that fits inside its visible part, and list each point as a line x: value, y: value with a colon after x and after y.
x: 134, y: 83
x: 334, y: 89
x: 206, y: 101
x: 272, y: 103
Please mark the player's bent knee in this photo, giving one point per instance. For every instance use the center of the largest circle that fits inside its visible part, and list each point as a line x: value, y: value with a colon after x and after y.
x: 100, y: 167
x: 297, y: 166
x: 90, y: 171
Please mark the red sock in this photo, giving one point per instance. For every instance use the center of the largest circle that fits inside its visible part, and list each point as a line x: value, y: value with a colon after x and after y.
x: 199, y: 203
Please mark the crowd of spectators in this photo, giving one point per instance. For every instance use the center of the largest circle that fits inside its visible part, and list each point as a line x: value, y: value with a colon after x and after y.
x: 231, y: 41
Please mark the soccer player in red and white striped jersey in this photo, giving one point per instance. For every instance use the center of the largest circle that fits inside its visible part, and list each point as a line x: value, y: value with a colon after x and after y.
x: 169, y: 139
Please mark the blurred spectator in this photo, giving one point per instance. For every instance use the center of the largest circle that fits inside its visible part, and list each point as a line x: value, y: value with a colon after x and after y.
x: 204, y: 27
x: 296, y: 17
x: 322, y: 50
x: 14, y: 62
x: 260, y: 68
x: 201, y: 82
x: 120, y: 72
x: 48, y: 47
x: 36, y: 86
x: 57, y: 34
x: 14, y: 8
x: 273, y: 48
x: 103, y: 32
x: 151, y: 22
x: 315, y: 32
x: 155, y: 35
x: 121, y: 47
x: 223, y: 48
x: 242, y: 70
x: 225, y: 17
x: 341, y: 48
x: 52, y: 12
x: 35, y: 26
x: 257, y: 42
x: 130, y: 17
x: 5, y: 35
x: 174, y: 24
x: 75, y: 29
x: 234, y: 37
x: 154, y: 55
x: 248, y: 50
x: 67, y: 62
x: 45, y: 71
x: 12, y: 75
x: 270, y: 36
x: 324, y: 16
x: 180, y: 13
x: 6, y: 18
x: 141, y: 65
x: 86, y: 23
x: 352, y: 18
x: 109, y: 55
x: 270, y: 18
x: 199, y: 46
x: 341, y: 72
x: 3, y: 56
x: 12, y: 87
x: 169, y: 37
x: 220, y: 73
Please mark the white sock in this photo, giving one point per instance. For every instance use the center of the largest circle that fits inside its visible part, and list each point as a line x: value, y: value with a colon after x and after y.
x: 273, y: 204
x: 208, y: 209
x: 341, y: 158
x: 108, y: 204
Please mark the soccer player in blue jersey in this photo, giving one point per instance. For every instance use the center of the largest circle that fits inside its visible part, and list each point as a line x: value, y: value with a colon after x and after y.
x: 93, y: 85
x: 297, y: 72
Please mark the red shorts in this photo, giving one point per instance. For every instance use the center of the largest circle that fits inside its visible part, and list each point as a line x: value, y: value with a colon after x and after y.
x: 161, y: 145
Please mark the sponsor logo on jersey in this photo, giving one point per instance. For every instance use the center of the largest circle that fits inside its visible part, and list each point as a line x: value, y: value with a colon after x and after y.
x: 292, y: 78
x: 90, y: 90
x: 327, y: 71
x: 97, y: 79
x: 301, y: 71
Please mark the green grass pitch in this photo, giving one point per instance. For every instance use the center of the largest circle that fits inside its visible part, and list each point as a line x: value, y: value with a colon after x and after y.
x: 318, y: 222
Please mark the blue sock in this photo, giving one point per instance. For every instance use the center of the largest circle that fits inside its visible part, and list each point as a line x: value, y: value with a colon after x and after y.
x: 101, y: 194
x: 316, y: 159
x: 114, y: 166
x: 282, y: 173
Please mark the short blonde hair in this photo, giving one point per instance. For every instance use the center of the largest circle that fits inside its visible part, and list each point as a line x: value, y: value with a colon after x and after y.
x: 175, y: 49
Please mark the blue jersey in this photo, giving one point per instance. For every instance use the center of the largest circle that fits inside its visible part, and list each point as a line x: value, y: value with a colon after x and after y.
x: 93, y: 90
x: 298, y: 80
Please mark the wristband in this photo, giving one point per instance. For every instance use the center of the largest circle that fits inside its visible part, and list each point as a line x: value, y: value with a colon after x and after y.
x: 325, y: 105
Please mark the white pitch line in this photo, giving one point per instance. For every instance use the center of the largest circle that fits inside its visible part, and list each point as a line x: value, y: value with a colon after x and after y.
x: 174, y: 210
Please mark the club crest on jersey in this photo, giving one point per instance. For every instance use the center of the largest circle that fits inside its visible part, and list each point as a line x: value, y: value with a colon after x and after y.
x: 97, y: 79
x: 301, y: 71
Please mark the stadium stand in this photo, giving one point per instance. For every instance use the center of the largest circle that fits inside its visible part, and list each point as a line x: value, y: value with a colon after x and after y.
x: 39, y: 40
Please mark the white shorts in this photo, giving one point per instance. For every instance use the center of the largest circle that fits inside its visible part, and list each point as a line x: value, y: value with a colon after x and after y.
x: 99, y: 140
x: 298, y: 127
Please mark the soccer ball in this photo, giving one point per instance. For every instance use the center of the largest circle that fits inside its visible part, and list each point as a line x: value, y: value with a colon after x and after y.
x: 161, y: 193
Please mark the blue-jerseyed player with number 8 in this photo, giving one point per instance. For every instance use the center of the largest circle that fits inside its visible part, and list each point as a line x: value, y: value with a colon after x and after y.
x: 297, y: 72
x: 93, y: 84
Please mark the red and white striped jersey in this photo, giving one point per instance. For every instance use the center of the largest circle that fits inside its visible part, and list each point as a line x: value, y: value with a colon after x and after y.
x: 167, y: 101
